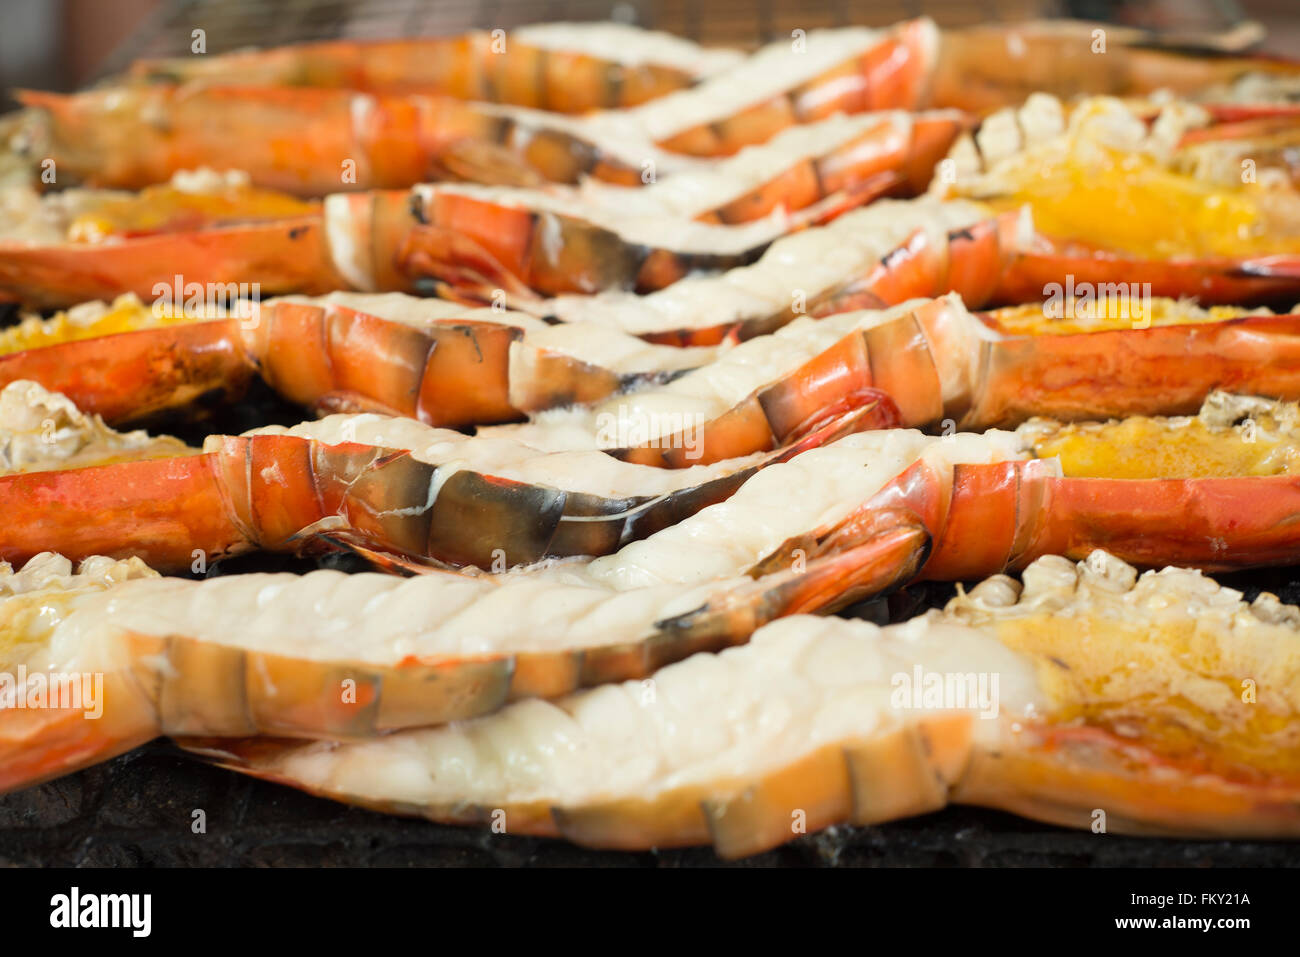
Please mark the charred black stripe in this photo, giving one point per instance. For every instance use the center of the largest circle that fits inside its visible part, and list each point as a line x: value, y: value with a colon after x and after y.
x: 586, y: 152
x: 896, y: 255
x: 683, y: 503
x: 611, y: 261
x: 593, y: 525
x: 816, y: 163
x: 476, y: 519
x: 775, y: 401
x: 614, y: 78
x: 715, y: 262
x: 501, y: 129
x: 543, y: 91
x: 415, y: 205
x: 386, y: 502
x: 628, y: 381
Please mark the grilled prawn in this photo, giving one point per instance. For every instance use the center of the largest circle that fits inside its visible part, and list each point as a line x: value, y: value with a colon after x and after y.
x: 1220, y: 490
x: 986, y: 68
x: 309, y: 142
x: 392, y: 488
x: 979, y: 68
x: 1087, y: 697
x: 565, y: 67
x: 1163, y: 203
x: 1111, y: 199
x: 604, y: 391
x: 948, y: 368
x: 585, y: 386
x: 438, y: 362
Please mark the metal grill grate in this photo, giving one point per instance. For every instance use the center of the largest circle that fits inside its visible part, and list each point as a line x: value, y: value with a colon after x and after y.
x: 230, y: 24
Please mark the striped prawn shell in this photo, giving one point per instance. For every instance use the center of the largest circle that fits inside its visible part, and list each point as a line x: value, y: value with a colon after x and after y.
x: 892, y: 73
x: 328, y: 357
x: 289, y: 493
x: 304, y: 141
x: 471, y: 66
x: 987, y: 518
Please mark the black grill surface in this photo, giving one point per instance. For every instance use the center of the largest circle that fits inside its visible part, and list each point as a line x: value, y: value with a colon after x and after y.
x: 137, y: 811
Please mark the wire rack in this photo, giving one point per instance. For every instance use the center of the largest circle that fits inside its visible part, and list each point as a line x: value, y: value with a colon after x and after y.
x: 231, y: 24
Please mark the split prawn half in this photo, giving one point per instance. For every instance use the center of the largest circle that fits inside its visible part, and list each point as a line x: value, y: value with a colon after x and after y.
x: 985, y: 68
x: 303, y: 139
x: 831, y: 526
x: 1087, y: 697
x: 1168, y: 203
x: 1215, y: 491
x: 441, y: 363
x: 310, y: 142
x: 581, y: 385
x: 1037, y: 205
x: 392, y: 489
x: 947, y: 368
x: 564, y: 67
x: 210, y: 227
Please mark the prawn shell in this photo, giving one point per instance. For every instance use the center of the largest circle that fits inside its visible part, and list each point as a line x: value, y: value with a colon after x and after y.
x: 282, y: 256
x: 206, y: 688
x: 131, y: 376
x: 1109, y: 374
x: 903, y: 771
x: 40, y: 744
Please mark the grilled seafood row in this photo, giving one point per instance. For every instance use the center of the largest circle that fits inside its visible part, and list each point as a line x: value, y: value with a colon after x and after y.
x: 998, y: 227
x: 1024, y: 698
x: 300, y: 112
x: 863, y: 519
x: 1215, y: 491
x: 583, y: 385
x: 976, y: 68
x: 564, y: 67
x: 391, y: 485
x: 540, y: 629
x: 688, y: 373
